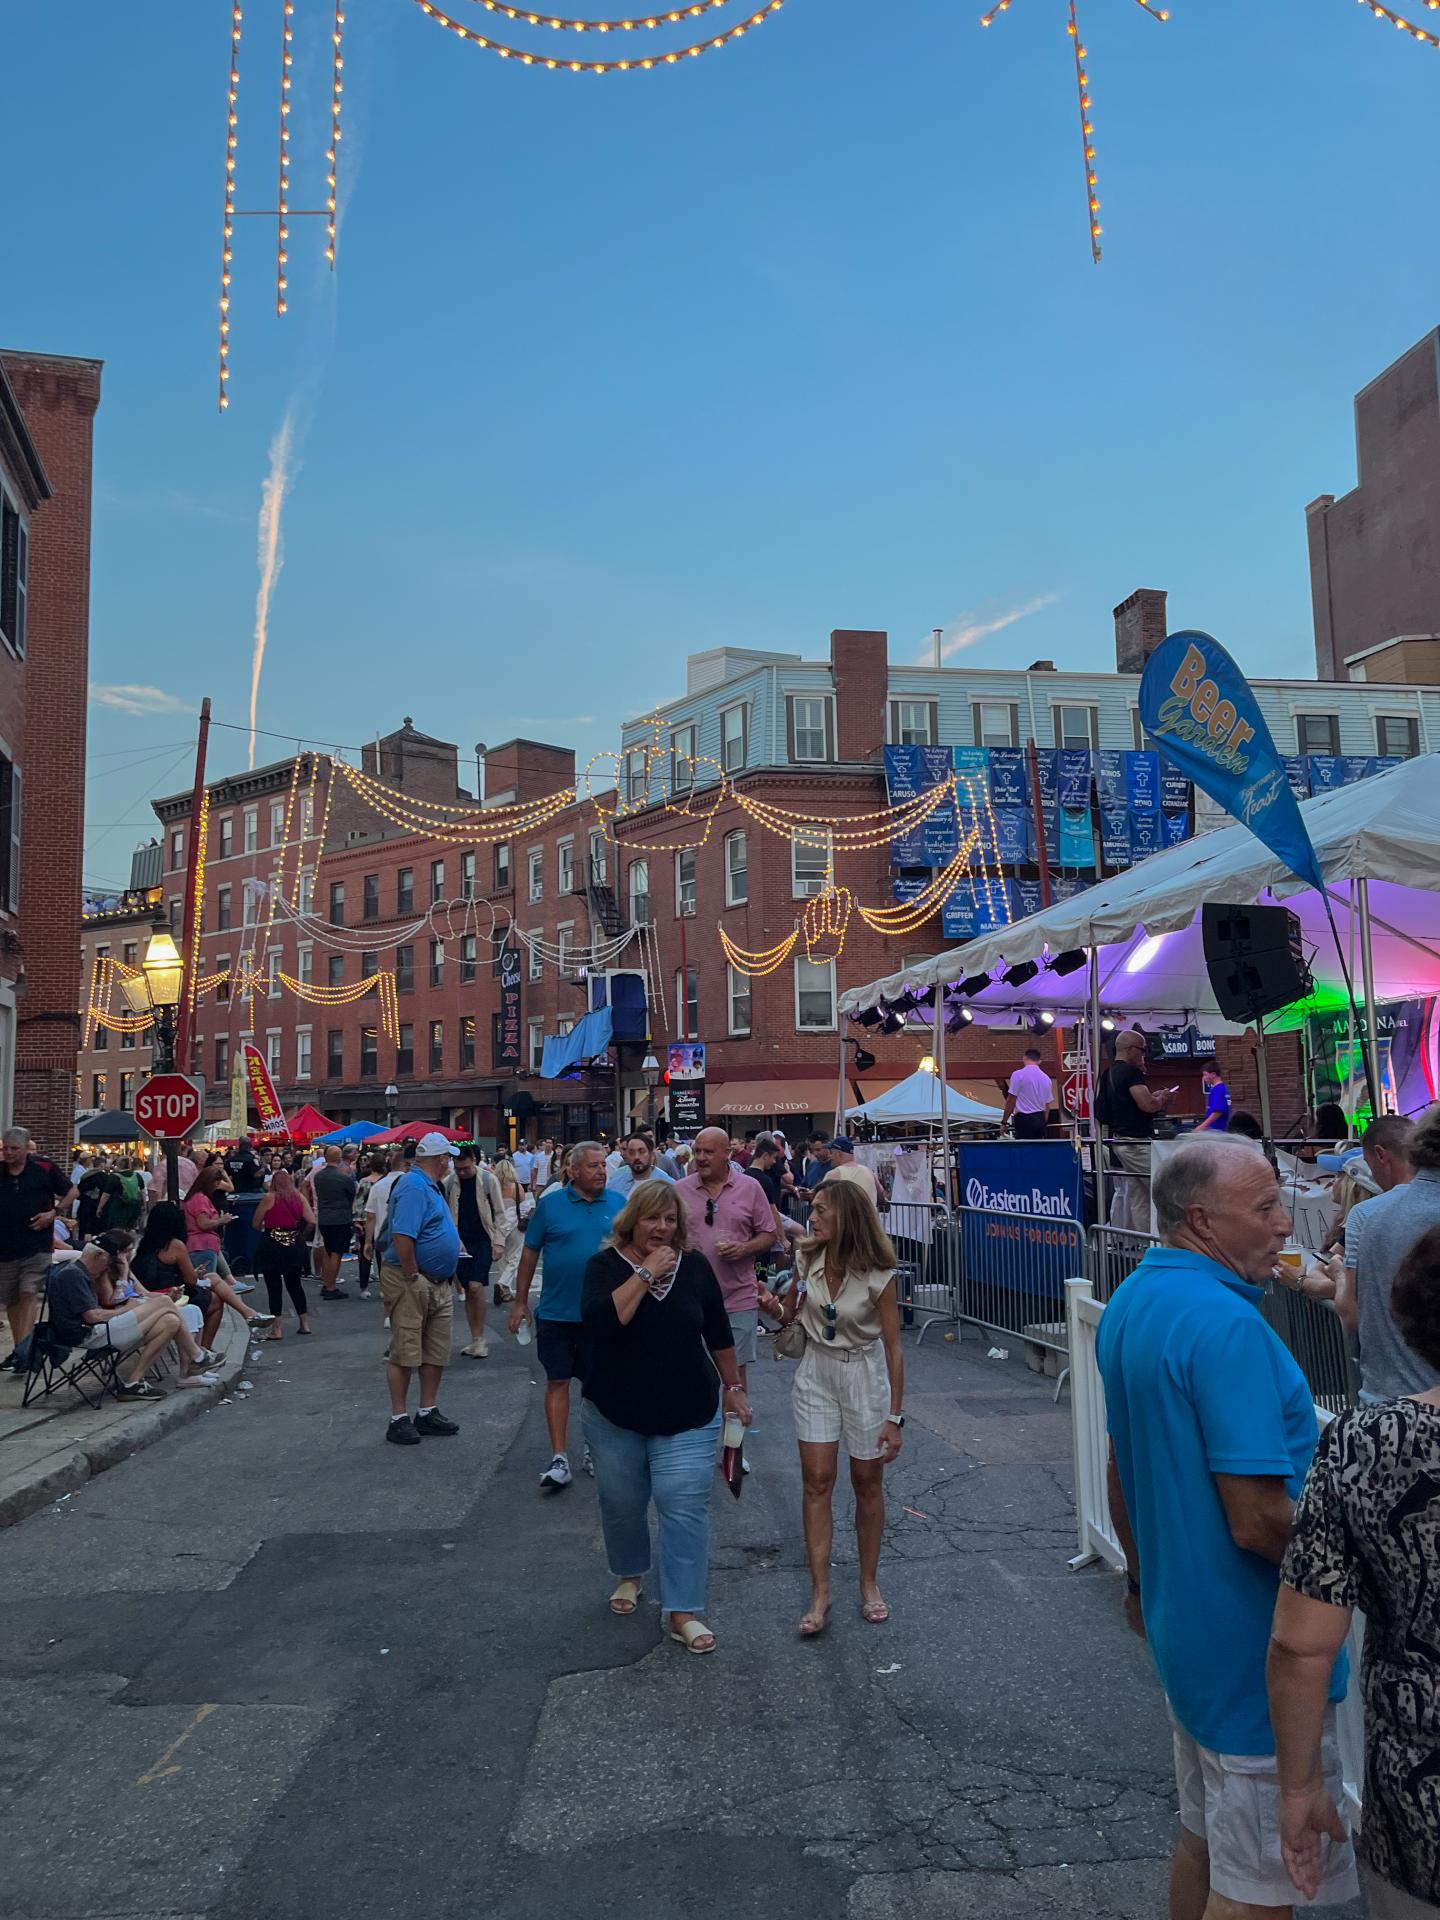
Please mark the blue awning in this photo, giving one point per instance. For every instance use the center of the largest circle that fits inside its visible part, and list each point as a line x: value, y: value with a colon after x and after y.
x: 585, y: 1039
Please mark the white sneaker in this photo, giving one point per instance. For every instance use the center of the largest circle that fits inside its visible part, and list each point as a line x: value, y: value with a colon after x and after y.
x: 364, y: 1294
x: 556, y: 1475
x: 477, y: 1350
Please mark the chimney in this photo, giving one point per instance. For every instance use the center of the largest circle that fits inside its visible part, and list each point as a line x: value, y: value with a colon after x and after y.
x: 858, y: 666
x: 1139, y: 628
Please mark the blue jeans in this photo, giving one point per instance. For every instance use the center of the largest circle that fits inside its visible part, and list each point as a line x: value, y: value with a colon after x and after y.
x: 677, y: 1472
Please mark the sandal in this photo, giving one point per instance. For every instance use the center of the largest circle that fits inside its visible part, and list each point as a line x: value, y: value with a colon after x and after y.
x: 877, y: 1612
x: 690, y: 1636
x: 274, y: 1333
x: 811, y: 1626
x: 626, y: 1596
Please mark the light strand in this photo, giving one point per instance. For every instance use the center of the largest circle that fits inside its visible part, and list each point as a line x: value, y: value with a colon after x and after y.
x: 667, y: 17
x: 1404, y: 25
x: 1087, y: 138
x: 227, y: 224
x: 282, y: 204
x: 755, y: 966
x: 557, y: 64
x: 332, y: 152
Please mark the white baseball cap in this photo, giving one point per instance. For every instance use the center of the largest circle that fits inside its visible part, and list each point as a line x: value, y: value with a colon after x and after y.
x: 431, y: 1144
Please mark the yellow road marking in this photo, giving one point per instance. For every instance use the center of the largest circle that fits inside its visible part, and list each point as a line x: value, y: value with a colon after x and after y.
x: 161, y: 1770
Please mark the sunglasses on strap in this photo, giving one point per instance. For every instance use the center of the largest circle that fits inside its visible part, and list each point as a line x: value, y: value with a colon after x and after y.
x: 709, y: 1213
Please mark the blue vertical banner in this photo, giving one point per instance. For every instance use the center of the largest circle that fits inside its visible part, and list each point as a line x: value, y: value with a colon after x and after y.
x: 1009, y: 786
x: 1297, y: 772
x: 1382, y: 763
x: 1145, y: 835
x: 1067, y: 886
x: 1326, y: 770
x: 1202, y: 712
x: 1174, y: 787
x: 957, y: 917
x: 1072, y: 776
x: 1047, y: 772
x: 1024, y: 898
x: 1356, y: 766
x: 1077, y: 837
x: 1115, y: 836
x: 902, y: 774
x: 1012, y: 836
x: 1142, y: 782
x: 1110, y: 786
x: 1175, y: 828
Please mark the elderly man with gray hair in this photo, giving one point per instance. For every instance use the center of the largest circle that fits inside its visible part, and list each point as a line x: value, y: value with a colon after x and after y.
x: 1212, y: 1428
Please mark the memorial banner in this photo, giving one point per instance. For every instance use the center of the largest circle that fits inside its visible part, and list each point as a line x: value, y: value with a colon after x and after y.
x: 1115, y: 836
x: 1174, y: 787
x: 1073, y: 774
x: 1142, y: 782
x: 1175, y: 829
x: 1110, y: 789
x: 1077, y: 837
x: 1297, y: 772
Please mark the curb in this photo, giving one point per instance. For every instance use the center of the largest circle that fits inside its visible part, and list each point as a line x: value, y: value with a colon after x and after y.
x: 71, y: 1462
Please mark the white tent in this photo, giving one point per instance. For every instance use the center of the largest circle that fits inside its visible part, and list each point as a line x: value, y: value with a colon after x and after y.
x: 916, y: 1103
x: 1377, y: 839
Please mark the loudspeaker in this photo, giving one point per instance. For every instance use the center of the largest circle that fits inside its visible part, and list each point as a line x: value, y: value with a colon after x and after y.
x: 1255, y: 958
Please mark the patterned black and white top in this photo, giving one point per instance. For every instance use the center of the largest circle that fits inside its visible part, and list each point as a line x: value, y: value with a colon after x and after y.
x: 1367, y: 1535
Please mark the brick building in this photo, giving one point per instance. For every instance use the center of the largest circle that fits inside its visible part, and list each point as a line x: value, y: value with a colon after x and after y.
x: 47, y: 409
x: 111, y: 1065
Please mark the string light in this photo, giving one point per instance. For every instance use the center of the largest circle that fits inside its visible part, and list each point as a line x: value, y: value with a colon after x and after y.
x: 227, y: 224
x: 1405, y: 26
x: 557, y: 64
x: 756, y: 965
x: 382, y: 984
x: 197, y: 904
x: 667, y: 18
x: 332, y: 152
x: 282, y: 205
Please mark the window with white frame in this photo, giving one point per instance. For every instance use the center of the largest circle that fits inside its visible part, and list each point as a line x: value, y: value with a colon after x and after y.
x: 307, y: 892
x: 564, y: 946
x: 304, y: 963
x: 685, y: 883
x: 302, y: 1053
x: 810, y: 863
x: 737, y: 868
x: 814, y: 996
x: 1317, y: 733
x: 914, y: 723
x: 687, y: 1002
x: 500, y: 866
x: 737, y: 1002
x: 535, y: 866
x: 536, y: 968
x: 469, y: 957
x: 735, y: 737
x: 565, y: 865
x: 1077, y: 727
x: 14, y: 574
x: 636, y: 779
x: 437, y: 963
x: 1397, y: 734
x: 272, y: 974
x: 467, y: 874
x: 810, y: 722
x: 177, y: 848
x: 536, y: 1050
x: 682, y: 759
x: 638, y: 881
x: 996, y: 723
x: 272, y: 1051
x: 252, y: 829
x: 599, y: 863
x: 277, y: 822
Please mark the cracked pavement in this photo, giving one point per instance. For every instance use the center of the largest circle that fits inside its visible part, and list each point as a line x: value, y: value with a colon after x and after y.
x: 271, y: 1667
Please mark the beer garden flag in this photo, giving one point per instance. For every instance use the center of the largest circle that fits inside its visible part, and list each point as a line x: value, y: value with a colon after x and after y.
x: 1197, y: 707
x: 262, y: 1091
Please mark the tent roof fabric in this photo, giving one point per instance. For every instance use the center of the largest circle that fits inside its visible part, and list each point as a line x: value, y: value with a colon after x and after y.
x: 307, y: 1123
x: 916, y: 1102
x: 357, y: 1131
x: 112, y: 1128
x: 414, y: 1130
x: 1380, y: 829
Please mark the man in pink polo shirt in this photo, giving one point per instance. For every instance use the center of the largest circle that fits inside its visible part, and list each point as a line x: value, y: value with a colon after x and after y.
x: 730, y: 1222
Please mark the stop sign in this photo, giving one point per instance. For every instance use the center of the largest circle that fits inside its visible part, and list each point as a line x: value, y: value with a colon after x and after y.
x: 1075, y: 1092
x: 169, y: 1106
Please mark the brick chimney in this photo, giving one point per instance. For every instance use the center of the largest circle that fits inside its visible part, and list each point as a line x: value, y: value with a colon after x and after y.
x: 859, y: 663
x: 527, y: 770
x: 1139, y: 628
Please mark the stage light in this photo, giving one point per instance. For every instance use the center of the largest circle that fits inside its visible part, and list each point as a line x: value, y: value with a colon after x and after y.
x: 1107, y: 1025
x: 1021, y: 975
x: 1041, y: 1022
x: 977, y: 983
x: 1070, y: 961
x: 869, y: 1018
x: 957, y: 1018
x: 863, y: 1060
x: 893, y: 1022
x: 1145, y: 952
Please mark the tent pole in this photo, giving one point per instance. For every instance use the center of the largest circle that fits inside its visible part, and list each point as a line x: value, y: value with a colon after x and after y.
x: 1349, y: 1093
x: 1092, y: 1039
x: 1370, y: 1038
x: 1262, y: 1072
x: 945, y: 1184
x: 840, y: 1090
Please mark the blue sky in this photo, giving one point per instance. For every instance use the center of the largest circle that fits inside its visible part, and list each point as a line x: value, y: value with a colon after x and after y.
x: 799, y: 335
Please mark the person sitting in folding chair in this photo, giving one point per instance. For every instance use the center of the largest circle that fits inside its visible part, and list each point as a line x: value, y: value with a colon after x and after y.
x: 73, y: 1293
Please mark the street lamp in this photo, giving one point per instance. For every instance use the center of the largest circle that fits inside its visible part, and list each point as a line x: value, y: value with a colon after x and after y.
x: 650, y: 1074
x: 156, y: 990
x: 392, y: 1094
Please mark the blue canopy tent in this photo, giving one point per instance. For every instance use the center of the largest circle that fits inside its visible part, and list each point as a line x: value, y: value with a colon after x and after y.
x: 357, y: 1131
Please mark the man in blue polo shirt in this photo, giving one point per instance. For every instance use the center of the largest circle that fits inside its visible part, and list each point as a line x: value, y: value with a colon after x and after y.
x: 420, y: 1249
x: 567, y: 1227
x: 1213, y: 1428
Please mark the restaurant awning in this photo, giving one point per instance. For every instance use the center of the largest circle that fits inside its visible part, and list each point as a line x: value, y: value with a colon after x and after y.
x: 765, y: 1097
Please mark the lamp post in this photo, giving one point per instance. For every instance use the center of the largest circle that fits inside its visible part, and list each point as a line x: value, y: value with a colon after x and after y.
x: 650, y: 1074
x: 156, y: 990
x: 392, y: 1094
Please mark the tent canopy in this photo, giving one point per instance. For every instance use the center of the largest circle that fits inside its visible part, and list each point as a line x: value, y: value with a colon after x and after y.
x: 308, y: 1124
x: 357, y: 1131
x: 1378, y: 829
x: 414, y: 1130
x: 916, y: 1103
x: 110, y: 1129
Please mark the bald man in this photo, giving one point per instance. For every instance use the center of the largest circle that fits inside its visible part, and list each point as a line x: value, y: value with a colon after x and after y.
x: 1127, y: 1112
x: 730, y: 1221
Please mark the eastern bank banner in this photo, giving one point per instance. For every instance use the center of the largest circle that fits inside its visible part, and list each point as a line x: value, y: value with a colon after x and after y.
x: 263, y: 1096
x: 1023, y: 1218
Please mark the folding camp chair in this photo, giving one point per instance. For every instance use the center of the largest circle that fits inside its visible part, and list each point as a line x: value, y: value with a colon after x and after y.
x: 51, y: 1365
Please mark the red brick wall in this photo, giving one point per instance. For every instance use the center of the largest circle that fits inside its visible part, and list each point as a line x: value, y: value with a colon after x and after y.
x: 1285, y: 1064
x: 59, y: 399
x: 858, y: 660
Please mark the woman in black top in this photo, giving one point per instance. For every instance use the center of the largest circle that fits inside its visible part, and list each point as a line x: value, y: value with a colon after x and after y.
x: 659, y: 1351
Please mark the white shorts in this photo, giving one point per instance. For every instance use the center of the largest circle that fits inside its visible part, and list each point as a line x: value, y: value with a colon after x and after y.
x: 843, y: 1392
x: 1232, y: 1802
x: 122, y: 1333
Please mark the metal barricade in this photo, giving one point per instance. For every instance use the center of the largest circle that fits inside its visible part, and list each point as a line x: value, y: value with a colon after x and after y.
x: 1324, y: 1351
x: 1006, y: 1272
x: 1112, y: 1256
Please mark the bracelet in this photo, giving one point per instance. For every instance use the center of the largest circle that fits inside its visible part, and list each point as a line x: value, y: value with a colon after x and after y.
x: 736, y: 1388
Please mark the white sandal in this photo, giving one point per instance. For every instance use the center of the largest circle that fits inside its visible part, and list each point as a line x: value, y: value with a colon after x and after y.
x: 626, y: 1596
x: 692, y: 1631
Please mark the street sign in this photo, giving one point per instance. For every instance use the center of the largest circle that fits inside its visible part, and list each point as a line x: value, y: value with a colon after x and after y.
x: 1074, y: 1061
x: 1075, y: 1092
x: 169, y: 1106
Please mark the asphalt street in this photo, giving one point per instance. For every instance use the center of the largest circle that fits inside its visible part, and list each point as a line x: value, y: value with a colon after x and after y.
x: 273, y: 1667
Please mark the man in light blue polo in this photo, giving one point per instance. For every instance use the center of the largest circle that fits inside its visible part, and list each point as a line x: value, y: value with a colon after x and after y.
x: 568, y: 1226
x: 640, y: 1164
x: 1212, y: 1428
x: 419, y: 1247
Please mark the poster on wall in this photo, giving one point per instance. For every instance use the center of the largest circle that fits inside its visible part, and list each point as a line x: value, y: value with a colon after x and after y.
x: 687, y: 1108
x: 685, y: 1061
x: 507, y: 1054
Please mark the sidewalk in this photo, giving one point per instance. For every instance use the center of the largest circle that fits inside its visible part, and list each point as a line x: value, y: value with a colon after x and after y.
x: 56, y: 1444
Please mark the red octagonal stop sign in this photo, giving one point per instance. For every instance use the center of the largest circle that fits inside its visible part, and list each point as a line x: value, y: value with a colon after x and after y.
x: 169, y: 1106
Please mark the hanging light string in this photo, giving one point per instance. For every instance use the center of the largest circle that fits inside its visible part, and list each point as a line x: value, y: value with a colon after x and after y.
x: 641, y: 64
x: 381, y: 983
x: 227, y: 224
x: 105, y: 975
x: 282, y: 204
x: 197, y: 899
x: 1405, y: 26
x: 756, y: 965
x: 666, y: 17
x: 332, y: 152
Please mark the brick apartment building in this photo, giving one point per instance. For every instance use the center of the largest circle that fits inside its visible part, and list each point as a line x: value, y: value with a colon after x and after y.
x: 47, y: 409
x: 110, y: 1065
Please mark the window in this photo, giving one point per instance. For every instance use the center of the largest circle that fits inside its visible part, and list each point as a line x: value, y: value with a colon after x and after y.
x: 337, y: 903
x: 535, y: 967
x: 599, y: 866
x: 734, y: 738
x: 302, y: 1053
x: 404, y: 969
x: 14, y: 574
x: 536, y: 861
x: 370, y: 897
x: 369, y: 964
x: 222, y: 1060
x: 682, y: 760
x: 497, y: 1038
x: 564, y: 944
x: 129, y: 953
x: 996, y: 722
x: 222, y: 909
x: 737, y: 869
x: 175, y: 913
x: 437, y: 1046
x: 369, y: 1053
x: 737, y: 988
x: 272, y: 1052
x: 272, y: 974
x: 277, y: 822
x: 99, y: 1083
x: 222, y: 990
x: 177, y: 849
x: 1077, y: 727
x: 810, y: 723
x: 127, y: 1040
x: 335, y: 965
x: 565, y: 865
x: 100, y: 1039
x: 814, y: 996
x: 637, y: 779
x: 467, y: 1041
x: 1317, y: 733
x: 437, y: 962
x: 685, y: 883
x: 914, y: 723
x: 252, y: 829
x: 468, y: 957
x: 307, y: 891
x: 405, y: 890
x: 305, y: 964
x: 334, y: 1054
x: 1397, y: 734
x: 405, y: 1049
x: 127, y: 1091
x: 810, y: 865
x: 248, y: 903
x: 437, y: 882
x: 467, y: 875
x: 535, y: 1052
x: 225, y: 840
x: 687, y: 1002
x: 638, y: 883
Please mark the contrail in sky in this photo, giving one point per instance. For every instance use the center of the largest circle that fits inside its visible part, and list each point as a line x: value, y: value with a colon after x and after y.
x: 971, y: 628
x: 271, y: 554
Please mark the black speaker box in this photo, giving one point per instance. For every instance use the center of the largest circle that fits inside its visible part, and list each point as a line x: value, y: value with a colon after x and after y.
x: 1255, y: 957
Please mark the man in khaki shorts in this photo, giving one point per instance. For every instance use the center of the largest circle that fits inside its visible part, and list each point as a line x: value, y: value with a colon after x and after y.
x: 420, y: 1250
x: 32, y: 1191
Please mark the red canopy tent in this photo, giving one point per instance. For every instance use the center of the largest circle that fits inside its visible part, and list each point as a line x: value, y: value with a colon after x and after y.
x: 414, y: 1130
x: 308, y: 1124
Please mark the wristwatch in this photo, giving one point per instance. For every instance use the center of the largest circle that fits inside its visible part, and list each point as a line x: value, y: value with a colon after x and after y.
x: 644, y: 1273
x: 894, y: 1419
